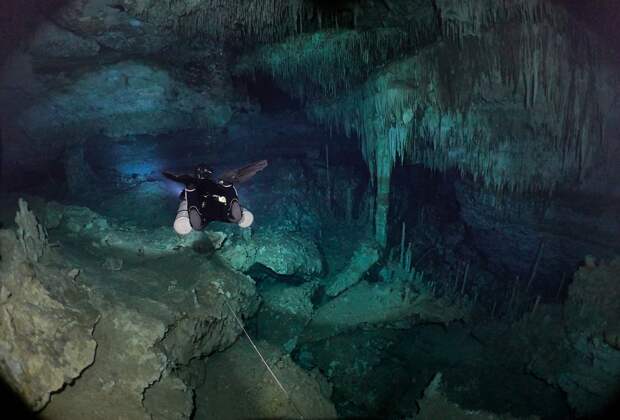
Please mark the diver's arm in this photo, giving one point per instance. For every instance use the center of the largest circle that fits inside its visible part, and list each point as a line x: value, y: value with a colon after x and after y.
x: 182, y: 179
x: 243, y: 174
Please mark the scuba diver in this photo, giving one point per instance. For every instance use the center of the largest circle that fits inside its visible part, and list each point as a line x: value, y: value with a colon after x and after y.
x: 206, y: 199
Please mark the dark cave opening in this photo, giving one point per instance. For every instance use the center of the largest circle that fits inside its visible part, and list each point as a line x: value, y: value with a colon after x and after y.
x: 270, y: 98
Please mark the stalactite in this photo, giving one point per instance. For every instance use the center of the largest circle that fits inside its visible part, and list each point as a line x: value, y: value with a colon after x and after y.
x: 465, y: 18
x: 480, y: 101
x: 460, y: 120
x: 248, y: 20
x: 329, y: 62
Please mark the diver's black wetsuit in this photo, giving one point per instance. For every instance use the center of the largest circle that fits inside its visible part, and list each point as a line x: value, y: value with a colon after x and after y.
x: 208, y: 201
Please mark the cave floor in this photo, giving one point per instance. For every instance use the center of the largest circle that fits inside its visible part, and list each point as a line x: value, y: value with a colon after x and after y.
x: 379, y: 372
x: 374, y: 370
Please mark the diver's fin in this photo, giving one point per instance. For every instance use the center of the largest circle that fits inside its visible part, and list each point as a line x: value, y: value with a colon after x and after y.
x: 243, y: 174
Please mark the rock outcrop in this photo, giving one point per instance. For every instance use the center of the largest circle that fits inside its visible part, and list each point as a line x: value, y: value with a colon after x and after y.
x: 573, y: 346
x: 148, y: 320
x: 88, y: 69
x: 46, y: 326
x: 508, y: 230
x: 435, y: 405
x: 81, y: 223
x: 31, y: 234
x: 119, y: 100
x: 591, y: 377
x: 285, y: 312
x: 364, y: 257
x: 285, y: 253
x: 239, y: 386
x: 593, y: 303
x: 376, y: 304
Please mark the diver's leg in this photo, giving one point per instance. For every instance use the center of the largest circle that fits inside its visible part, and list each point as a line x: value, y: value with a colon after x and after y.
x: 195, y: 218
x: 235, y: 212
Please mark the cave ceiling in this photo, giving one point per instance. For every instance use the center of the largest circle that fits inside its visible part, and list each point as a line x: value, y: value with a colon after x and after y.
x: 516, y: 94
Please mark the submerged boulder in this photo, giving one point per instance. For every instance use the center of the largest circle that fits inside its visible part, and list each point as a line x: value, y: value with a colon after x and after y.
x: 290, y: 300
x: 285, y: 253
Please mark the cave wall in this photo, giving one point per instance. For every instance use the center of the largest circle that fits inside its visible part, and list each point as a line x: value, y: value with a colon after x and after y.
x: 520, y: 97
x: 87, y: 69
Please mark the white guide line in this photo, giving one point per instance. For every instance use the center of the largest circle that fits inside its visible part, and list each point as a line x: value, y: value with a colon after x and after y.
x: 288, y: 397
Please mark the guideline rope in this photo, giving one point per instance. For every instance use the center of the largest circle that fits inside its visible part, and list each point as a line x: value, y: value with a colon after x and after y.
x: 271, y: 372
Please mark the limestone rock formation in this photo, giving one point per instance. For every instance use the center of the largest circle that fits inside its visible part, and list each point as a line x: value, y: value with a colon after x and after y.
x: 52, y: 41
x: 46, y: 326
x: 119, y: 100
x: 285, y: 312
x: 502, y: 115
x: 290, y: 300
x: 591, y: 377
x: 593, y: 302
x: 82, y: 223
x: 79, y: 69
x: 364, y: 257
x: 514, y: 103
x: 147, y: 322
x: 112, y: 27
x: 224, y: 20
x: 31, y: 234
x: 284, y: 252
x: 367, y: 304
x: 239, y: 386
x: 435, y: 405
x: 573, y: 347
x: 509, y: 229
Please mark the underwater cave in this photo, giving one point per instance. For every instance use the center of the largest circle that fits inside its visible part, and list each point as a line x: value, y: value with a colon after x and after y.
x: 309, y: 209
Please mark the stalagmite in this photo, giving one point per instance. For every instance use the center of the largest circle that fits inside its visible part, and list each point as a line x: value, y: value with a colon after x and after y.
x: 559, y: 292
x: 349, y: 205
x: 402, y: 245
x: 465, y: 279
x: 383, y: 174
x: 31, y: 234
x: 328, y: 193
x: 536, y: 305
x: 535, y: 266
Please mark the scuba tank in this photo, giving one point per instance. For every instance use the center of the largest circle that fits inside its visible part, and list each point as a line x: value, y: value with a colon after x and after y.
x: 188, y: 216
x: 182, y: 226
